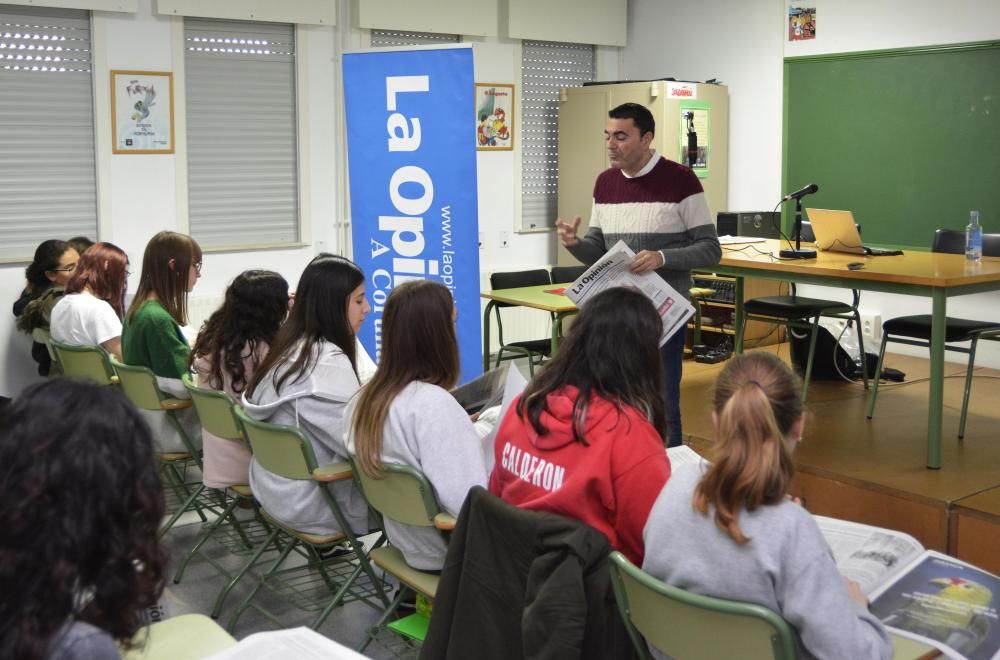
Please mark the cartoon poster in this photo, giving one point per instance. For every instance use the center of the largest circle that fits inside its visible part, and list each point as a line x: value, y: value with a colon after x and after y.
x: 494, y: 117
x: 142, y: 109
x: 801, y: 23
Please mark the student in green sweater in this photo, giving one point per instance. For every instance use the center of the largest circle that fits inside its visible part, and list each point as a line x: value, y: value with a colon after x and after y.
x: 152, y: 337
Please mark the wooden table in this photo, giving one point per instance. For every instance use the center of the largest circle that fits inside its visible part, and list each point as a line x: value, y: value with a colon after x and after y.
x: 535, y: 297
x: 931, y: 274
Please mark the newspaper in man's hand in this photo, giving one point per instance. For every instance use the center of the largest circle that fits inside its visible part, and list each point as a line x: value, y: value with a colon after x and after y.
x: 612, y: 270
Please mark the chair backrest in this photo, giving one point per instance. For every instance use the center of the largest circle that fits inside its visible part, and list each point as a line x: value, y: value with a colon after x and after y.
x: 139, y: 385
x: 517, y: 279
x: 402, y: 494
x: 42, y: 336
x: 215, y: 411
x: 564, y: 274
x: 952, y: 241
x: 283, y: 450
x: 90, y: 362
x: 685, y: 625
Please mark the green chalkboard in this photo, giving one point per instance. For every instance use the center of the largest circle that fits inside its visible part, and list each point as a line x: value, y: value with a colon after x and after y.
x: 907, y: 140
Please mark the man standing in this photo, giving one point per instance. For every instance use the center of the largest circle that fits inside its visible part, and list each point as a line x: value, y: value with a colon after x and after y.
x: 657, y: 207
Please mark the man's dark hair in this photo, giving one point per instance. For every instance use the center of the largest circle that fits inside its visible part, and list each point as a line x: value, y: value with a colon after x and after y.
x: 639, y: 114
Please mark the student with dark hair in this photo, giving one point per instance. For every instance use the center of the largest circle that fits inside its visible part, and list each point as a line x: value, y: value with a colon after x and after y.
x: 90, y: 314
x: 229, y: 349
x: 80, y: 243
x: 306, y: 380
x: 80, y: 504
x: 585, y: 439
x: 46, y: 276
x: 728, y: 528
x: 152, y: 336
x: 405, y: 415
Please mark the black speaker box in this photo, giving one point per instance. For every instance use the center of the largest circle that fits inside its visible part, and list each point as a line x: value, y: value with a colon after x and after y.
x: 759, y: 224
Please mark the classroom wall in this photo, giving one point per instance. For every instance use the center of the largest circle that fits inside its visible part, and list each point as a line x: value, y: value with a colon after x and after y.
x: 743, y: 43
x: 143, y: 194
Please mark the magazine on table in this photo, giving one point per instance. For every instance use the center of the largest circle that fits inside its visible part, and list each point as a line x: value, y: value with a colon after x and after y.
x: 301, y: 643
x: 918, y: 593
x: 611, y: 270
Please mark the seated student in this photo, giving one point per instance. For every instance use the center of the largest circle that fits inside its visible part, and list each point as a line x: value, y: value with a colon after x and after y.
x: 305, y: 381
x: 90, y: 313
x: 152, y: 337
x: 231, y: 345
x: 46, y: 276
x: 80, y: 243
x: 406, y: 416
x: 728, y: 529
x: 585, y: 439
x: 80, y: 504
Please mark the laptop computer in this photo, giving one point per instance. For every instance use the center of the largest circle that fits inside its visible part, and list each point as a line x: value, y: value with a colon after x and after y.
x: 835, y: 231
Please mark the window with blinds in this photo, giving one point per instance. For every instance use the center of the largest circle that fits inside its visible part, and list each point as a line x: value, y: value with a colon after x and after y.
x: 392, y: 38
x: 241, y: 133
x: 48, y: 181
x: 546, y: 67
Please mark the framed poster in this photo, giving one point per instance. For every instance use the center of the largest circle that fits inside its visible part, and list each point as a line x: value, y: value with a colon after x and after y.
x: 142, y: 112
x: 494, y: 117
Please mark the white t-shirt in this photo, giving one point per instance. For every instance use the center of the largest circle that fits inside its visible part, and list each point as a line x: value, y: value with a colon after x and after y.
x: 80, y: 319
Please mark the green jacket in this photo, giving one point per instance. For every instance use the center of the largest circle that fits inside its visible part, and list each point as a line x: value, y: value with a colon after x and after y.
x: 153, y: 339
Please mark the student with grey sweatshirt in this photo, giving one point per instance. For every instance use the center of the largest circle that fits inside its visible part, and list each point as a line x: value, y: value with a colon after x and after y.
x: 728, y: 528
x: 306, y: 380
x: 405, y: 415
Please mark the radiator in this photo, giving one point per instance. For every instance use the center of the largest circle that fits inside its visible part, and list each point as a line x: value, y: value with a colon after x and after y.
x: 200, y: 308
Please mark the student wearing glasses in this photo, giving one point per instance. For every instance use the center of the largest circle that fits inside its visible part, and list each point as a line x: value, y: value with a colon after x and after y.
x: 46, y: 276
x: 152, y: 336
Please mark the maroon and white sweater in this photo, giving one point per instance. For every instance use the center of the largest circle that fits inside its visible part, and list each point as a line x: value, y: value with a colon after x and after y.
x: 661, y: 208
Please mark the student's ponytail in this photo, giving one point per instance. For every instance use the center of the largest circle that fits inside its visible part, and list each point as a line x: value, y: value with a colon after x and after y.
x: 757, y: 402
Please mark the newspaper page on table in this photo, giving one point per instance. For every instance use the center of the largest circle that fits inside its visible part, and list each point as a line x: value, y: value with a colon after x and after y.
x: 946, y: 602
x: 491, y: 395
x: 868, y: 555
x: 612, y: 270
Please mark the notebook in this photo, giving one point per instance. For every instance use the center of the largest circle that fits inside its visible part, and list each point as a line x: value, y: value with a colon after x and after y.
x: 835, y: 231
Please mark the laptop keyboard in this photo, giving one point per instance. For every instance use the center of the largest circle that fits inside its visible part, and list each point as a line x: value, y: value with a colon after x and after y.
x: 879, y: 252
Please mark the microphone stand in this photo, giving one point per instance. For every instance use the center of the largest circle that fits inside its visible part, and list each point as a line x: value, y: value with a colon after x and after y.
x: 798, y: 252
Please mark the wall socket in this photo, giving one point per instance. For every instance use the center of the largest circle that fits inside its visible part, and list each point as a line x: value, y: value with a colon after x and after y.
x: 871, y: 330
x: 504, y: 239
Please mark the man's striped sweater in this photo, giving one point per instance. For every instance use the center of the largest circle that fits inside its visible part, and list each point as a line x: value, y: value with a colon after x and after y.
x: 662, y: 208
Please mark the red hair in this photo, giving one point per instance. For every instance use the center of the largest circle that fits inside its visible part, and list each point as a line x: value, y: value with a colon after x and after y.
x: 103, y: 269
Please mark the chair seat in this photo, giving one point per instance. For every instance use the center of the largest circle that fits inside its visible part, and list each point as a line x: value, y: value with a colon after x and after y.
x: 242, y: 491
x: 311, y: 539
x: 391, y: 560
x: 918, y: 326
x: 794, y: 307
x: 543, y: 346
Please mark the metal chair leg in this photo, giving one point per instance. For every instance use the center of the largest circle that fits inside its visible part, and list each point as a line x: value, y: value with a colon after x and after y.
x: 809, y: 359
x: 878, y: 376
x: 221, y: 598
x: 179, y: 575
x: 968, y: 387
x: 861, y: 346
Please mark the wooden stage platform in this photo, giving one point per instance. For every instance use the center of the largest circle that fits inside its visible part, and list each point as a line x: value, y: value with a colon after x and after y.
x: 874, y: 471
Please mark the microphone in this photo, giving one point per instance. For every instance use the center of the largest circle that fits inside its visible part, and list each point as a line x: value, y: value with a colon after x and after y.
x: 799, y: 194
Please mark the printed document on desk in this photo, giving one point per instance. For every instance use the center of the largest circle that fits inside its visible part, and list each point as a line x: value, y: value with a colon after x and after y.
x: 611, y: 270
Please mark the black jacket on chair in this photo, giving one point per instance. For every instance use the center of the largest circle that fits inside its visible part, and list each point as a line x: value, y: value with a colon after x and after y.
x: 524, y: 584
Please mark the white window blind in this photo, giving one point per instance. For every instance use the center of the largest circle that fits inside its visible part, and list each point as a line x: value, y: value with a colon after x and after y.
x: 241, y: 132
x: 47, y: 170
x: 546, y: 67
x: 391, y: 38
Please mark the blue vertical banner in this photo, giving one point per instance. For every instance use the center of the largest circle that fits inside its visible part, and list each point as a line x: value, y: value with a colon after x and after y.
x: 412, y: 165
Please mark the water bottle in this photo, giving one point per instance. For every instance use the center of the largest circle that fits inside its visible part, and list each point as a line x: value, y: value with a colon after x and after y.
x: 974, y: 238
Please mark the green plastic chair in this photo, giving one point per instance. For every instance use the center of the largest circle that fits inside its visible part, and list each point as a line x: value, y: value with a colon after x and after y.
x: 215, y: 412
x: 686, y: 626
x: 285, y: 451
x: 404, y: 495
x: 89, y: 362
x: 139, y: 386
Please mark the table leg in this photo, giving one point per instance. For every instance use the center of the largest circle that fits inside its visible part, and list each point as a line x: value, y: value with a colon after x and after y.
x: 935, y: 403
x: 486, y: 336
x: 738, y: 315
x: 557, y: 320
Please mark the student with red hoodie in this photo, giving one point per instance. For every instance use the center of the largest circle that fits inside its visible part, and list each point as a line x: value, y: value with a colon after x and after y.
x: 585, y: 439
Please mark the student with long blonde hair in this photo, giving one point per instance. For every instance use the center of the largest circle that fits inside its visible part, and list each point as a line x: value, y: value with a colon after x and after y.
x: 405, y: 415
x: 152, y: 336
x: 728, y: 528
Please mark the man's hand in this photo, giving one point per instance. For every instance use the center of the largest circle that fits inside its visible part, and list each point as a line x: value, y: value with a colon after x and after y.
x: 567, y: 231
x: 646, y: 261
